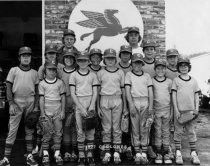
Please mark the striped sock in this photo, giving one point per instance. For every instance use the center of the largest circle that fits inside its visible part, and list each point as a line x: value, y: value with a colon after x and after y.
x: 81, y: 149
x: 158, y: 148
x: 39, y: 140
x: 177, y: 145
x: 144, y: 149
x: 166, y: 149
x: 8, y: 150
x: 29, y: 146
x: 137, y: 149
x: 192, y: 146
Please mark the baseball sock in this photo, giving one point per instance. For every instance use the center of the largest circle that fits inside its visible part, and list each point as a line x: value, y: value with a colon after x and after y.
x: 177, y: 145
x: 29, y: 146
x: 192, y: 146
x: 8, y: 149
x: 165, y: 149
x: 137, y: 149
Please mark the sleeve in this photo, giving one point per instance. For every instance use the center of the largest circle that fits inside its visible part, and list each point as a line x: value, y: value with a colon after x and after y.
x: 62, y: 88
x: 72, y: 80
x: 196, y: 87
x: 174, y: 85
x: 99, y: 77
x: 128, y: 79
x: 41, y: 89
x: 122, y: 83
x: 41, y: 72
x: 95, y: 80
x: 149, y: 81
x: 11, y: 76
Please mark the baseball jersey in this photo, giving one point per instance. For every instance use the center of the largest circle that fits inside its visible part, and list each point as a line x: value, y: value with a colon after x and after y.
x: 124, y: 69
x: 161, y: 91
x: 111, y: 82
x: 65, y: 77
x: 52, y: 91
x: 185, y: 91
x: 83, y: 83
x: 23, y: 82
x: 42, y: 74
x: 94, y: 70
x: 149, y: 68
x: 171, y: 74
x: 139, y: 83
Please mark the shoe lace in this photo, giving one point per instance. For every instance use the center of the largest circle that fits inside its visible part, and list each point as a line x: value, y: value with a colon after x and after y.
x: 45, y: 159
x: 159, y: 156
x: 30, y: 157
x: 166, y: 157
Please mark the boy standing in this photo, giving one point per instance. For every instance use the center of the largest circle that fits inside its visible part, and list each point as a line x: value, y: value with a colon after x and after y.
x: 138, y: 85
x: 185, y: 99
x: 162, y: 109
x: 22, y: 83
x: 83, y: 87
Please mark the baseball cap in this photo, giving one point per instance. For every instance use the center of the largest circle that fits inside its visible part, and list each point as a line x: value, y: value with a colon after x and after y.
x: 160, y: 61
x: 183, y: 60
x: 95, y: 51
x: 110, y: 53
x: 125, y: 48
x: 50, y: 48
x: 83, y: 55
x: 133, y: 29
x: 25, y: 50
x: 137, y: 57
x: 149, y: 43
x: 68, y: 32
x: 69, y: 52
x: 50, y: 64
x: 171, y: 52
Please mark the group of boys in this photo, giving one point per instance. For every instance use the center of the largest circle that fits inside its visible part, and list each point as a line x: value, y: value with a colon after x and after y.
x: 72, y: 86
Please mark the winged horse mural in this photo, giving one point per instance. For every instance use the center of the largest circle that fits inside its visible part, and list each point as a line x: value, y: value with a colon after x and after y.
x: 103, y: 24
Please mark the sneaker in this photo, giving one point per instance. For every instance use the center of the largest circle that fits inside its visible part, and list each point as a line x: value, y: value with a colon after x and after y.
x: 91, y: 161
x: 171, y: 153
x: 151, y: 153
x: 59, y: 160
x: 4, y: 162
x: 67, y: 157
x: 30, y: 160
x: 159, y: 159
x: 194, y: 158
x: 128, y: 153
x: 106, y: 158
x: 138, y: 158
x: 73, y: 157
x: 179, y: 160
x: 117, y: 159
x: 144, y: 159
x: 81, y: 162
x: 46, y: 160
x: 167, y: 159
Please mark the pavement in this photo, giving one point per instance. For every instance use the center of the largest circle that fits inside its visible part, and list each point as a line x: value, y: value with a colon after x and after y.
x: 203, y: 144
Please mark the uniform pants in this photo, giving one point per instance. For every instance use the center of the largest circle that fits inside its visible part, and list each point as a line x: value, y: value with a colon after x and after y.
x: 140, y: 133
x: 162, y: 127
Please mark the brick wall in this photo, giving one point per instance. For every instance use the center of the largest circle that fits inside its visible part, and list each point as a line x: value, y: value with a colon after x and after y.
x: 57, y: 13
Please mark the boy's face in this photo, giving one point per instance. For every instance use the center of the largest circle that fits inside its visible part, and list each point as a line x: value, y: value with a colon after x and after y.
x: 125, y: 56
x: 110, y: 61
x: 68, y: 61
x: 95, y: 59
x: 51, y: 56
x: 160, y: 70
x: 25, y: 59
x: 83, y: 63
x: 172, y: 60
x: 149, y: 52
x: 133, y: 37
x: 51, y: 73
x: 69, y: 41
x: 184, y: 68
x: 137, y: 66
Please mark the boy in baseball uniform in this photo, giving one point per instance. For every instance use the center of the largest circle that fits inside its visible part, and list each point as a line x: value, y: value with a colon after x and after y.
x: 112, y: 104
x: 133, y: 37
x: 52, y: 106
x: 162, y: 111
x: 83, y: 86
x: 68, y: 40
x: 22, y: 83
x: 69, y: 128
x: 51, y: 54
x: 124, y: 64
x: 139, y: 93
x: 185, y: 98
